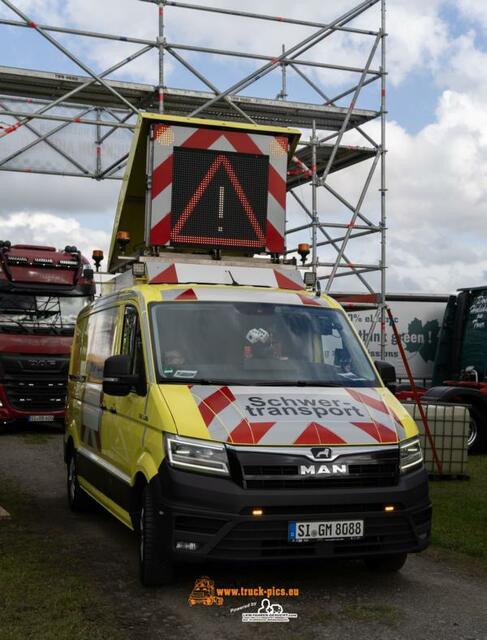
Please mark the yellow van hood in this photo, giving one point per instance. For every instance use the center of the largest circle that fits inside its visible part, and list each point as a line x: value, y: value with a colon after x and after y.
x: 283, y: 416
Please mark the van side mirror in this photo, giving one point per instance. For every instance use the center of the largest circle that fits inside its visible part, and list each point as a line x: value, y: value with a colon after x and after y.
x: 387, y: 373
x: 117, y: 378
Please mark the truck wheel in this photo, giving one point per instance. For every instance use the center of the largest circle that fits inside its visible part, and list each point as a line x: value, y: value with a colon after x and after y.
x: 78, y: 500
x: 156, y: 568
x: 386, y: 564
x: 477, y: 435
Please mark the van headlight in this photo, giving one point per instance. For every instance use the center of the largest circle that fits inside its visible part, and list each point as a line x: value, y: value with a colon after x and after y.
x: 410, y: 455
x: 197, y: 455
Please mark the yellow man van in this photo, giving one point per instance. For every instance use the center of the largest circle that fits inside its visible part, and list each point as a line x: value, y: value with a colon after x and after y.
x: 217, y: 405
x: 228, y: 412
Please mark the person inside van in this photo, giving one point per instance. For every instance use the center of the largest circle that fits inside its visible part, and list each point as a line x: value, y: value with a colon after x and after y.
x: 174, y: 358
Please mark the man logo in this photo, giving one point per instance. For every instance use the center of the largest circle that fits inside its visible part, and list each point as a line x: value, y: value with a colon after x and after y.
x: 323, y: 469
x: 322, y: 453
x: 41, y: 364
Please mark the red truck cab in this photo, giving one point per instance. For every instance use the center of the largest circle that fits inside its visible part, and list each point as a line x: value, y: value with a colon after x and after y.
x: 42, y: 290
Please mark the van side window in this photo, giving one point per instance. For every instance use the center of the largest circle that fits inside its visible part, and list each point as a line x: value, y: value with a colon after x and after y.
x: 79, y: 348
x: 132, y: 341
x: 101, y: 334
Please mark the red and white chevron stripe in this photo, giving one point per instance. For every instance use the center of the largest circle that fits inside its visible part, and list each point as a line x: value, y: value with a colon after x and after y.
x: 384, y: 425
x: 223, y: 411
x: 163, y: 272
x: 207, y: 294
x: 166, y: 137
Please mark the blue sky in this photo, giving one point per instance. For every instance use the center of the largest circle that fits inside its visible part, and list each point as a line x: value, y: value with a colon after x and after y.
x: 437, y: 88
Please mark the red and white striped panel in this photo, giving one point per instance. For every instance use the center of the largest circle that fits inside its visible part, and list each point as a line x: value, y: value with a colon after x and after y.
x: 160, y: 272
x: 234, y: 294
x: 279, y: 417
x: 384, y: 424
x: 219, y: 411
x: 166, y: 137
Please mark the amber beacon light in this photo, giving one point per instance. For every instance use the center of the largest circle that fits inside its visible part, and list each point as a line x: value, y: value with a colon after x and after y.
x: 123, y: 238
x: 303, y: 250
x: 97, y: 257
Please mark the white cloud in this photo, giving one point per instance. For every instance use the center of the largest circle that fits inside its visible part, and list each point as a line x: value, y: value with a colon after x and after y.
x: 474, y: 10
x: 59, y: 195
x: 464, y: 70
x: 49, y: 11
x: 418, y: 37
x: 34, y: 227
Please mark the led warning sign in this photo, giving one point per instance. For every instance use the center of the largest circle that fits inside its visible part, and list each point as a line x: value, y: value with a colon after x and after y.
x: 218, y: 188
x: 219, y: 198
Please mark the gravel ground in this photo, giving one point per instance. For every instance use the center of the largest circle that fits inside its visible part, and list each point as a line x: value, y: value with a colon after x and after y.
x: 433, y: 597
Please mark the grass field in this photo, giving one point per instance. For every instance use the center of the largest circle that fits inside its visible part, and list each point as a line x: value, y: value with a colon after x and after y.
x: 43, y: 593
x: 460, y: 511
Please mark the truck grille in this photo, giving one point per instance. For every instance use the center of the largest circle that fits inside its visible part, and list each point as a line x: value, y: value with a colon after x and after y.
x: 35, y: 382
x: 371, y: 469
x: 36, y: 395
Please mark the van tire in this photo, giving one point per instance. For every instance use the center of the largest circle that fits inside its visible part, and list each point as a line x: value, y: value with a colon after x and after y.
x: 155, y: 566
x: 78, y: 500
x: 386, y: 564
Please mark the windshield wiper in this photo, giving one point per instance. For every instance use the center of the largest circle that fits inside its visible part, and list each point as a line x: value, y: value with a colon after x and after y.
x: 272, y: 383
x: 252, y: 383
x: 317, y: 383
x: 202, y: 381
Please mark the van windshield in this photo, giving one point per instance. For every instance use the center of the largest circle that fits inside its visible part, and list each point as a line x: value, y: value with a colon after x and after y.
x: 251, y: 343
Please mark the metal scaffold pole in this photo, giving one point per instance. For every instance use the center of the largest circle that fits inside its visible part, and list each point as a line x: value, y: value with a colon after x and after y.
x: 162, y: 45
x: 314, y: 201
x: 383, y: 186
x: 282, y: 95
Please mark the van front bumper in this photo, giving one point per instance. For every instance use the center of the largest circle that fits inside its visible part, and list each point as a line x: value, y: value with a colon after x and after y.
x: 207, y: 517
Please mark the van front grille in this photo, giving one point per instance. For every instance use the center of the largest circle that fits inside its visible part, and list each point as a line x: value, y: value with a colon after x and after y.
x: 272, y: 470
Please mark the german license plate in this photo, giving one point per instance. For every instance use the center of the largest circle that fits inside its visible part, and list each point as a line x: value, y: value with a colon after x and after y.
x: 327, y: 530
x: 41, y: 418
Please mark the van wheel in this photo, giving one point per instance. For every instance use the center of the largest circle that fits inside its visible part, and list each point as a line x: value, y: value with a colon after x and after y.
x: 155, y: 565
x: 78, y: 500
x: 386, y: 564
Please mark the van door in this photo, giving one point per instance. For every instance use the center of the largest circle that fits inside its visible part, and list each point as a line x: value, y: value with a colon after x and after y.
x: 123, y: 435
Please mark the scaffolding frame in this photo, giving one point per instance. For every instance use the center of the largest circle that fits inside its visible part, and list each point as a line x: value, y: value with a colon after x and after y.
x: 95, y: 100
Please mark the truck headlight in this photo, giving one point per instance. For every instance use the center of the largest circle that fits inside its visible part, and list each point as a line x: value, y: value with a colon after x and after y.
x: 410, y: 454
x: 197, y: 455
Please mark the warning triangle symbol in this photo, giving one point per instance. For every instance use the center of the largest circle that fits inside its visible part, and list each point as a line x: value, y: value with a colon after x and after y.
x: 219, y: 211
